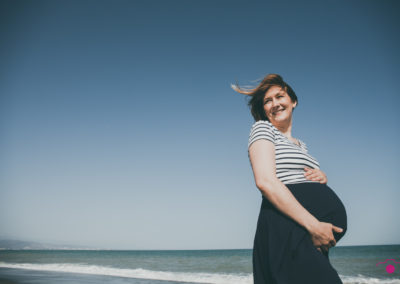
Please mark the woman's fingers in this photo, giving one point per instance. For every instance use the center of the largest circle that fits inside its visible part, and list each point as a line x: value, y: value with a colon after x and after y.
x: 322, y: 235
x: 323, y: 180
x: 310, y: 172
x: 337, y: 229
x: 315, y: 175
x: 325, y: 249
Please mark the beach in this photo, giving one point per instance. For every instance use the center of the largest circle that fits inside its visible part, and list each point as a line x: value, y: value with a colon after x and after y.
x: 355, y: 264
x: 25, y: 276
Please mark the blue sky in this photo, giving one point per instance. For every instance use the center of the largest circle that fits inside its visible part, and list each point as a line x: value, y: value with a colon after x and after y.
x: 119, y: 128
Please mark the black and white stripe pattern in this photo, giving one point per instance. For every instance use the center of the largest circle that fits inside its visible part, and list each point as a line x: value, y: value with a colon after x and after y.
x: 290, y: 158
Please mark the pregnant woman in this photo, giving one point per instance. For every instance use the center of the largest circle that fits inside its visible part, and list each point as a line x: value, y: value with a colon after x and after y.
x: 300, y: 216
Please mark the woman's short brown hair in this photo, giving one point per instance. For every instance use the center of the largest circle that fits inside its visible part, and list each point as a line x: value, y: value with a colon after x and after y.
x: 256, y: 103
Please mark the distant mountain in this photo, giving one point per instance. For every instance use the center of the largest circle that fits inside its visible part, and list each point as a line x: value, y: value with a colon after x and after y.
x: 25, y: 245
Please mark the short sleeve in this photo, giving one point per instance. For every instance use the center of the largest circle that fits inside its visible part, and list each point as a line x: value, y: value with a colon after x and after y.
x: 261, y: 130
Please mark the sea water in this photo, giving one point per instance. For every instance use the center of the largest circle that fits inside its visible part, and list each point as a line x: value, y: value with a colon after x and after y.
x: 355, y: 264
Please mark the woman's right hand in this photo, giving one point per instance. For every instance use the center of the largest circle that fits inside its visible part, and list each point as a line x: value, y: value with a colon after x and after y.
x: 322, y: 235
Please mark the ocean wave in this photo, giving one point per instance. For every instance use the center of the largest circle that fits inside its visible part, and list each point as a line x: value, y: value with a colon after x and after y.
x: 211, y: 278
x: 192, y: 277
x: 360, y: 279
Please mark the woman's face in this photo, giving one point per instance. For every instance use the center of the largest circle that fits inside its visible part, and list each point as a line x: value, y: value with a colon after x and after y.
x: 278, y: 106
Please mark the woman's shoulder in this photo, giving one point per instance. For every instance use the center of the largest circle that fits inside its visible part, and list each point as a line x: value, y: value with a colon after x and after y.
x: 261, y: 129
x: 262, y: 124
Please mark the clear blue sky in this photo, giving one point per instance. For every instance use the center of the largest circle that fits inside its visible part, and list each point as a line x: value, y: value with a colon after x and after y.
x: 119, y: 128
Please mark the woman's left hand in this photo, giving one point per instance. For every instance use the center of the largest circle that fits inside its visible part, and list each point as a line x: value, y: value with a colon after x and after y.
x: 315, y: 175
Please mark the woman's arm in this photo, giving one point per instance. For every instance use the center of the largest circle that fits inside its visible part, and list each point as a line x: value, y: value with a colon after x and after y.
x: 262, y: 157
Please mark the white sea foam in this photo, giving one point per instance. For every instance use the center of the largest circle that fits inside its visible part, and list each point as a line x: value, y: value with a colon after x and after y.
x: 194, y: 277
x: 213, y: 278
x: 360, y: 279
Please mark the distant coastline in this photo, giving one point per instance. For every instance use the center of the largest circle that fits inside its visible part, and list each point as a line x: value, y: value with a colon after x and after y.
x: 7, y: 244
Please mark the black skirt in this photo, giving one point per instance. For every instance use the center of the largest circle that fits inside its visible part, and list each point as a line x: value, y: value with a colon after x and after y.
x: 283, y: 252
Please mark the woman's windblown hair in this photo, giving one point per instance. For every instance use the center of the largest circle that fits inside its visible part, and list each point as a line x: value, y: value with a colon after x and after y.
x: 256, y: 103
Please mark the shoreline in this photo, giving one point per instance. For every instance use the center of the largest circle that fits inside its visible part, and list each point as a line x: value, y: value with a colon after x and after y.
x: 29, y: 276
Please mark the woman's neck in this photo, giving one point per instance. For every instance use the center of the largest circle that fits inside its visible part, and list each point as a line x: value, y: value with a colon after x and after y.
x: 285, y: 128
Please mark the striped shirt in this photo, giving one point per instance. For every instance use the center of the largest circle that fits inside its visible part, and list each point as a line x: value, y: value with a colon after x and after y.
x: 290, y: 158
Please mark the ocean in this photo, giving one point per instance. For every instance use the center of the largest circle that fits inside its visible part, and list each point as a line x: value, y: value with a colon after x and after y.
x: 355, y: 264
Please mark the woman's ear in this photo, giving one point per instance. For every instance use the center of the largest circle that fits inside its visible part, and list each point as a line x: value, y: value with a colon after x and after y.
x: 294, y: 105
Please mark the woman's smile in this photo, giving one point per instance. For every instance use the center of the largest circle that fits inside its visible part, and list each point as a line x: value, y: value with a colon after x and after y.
x: 278, y: 111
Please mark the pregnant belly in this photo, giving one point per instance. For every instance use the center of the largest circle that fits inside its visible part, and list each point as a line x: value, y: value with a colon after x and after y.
x: 322, y: 202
